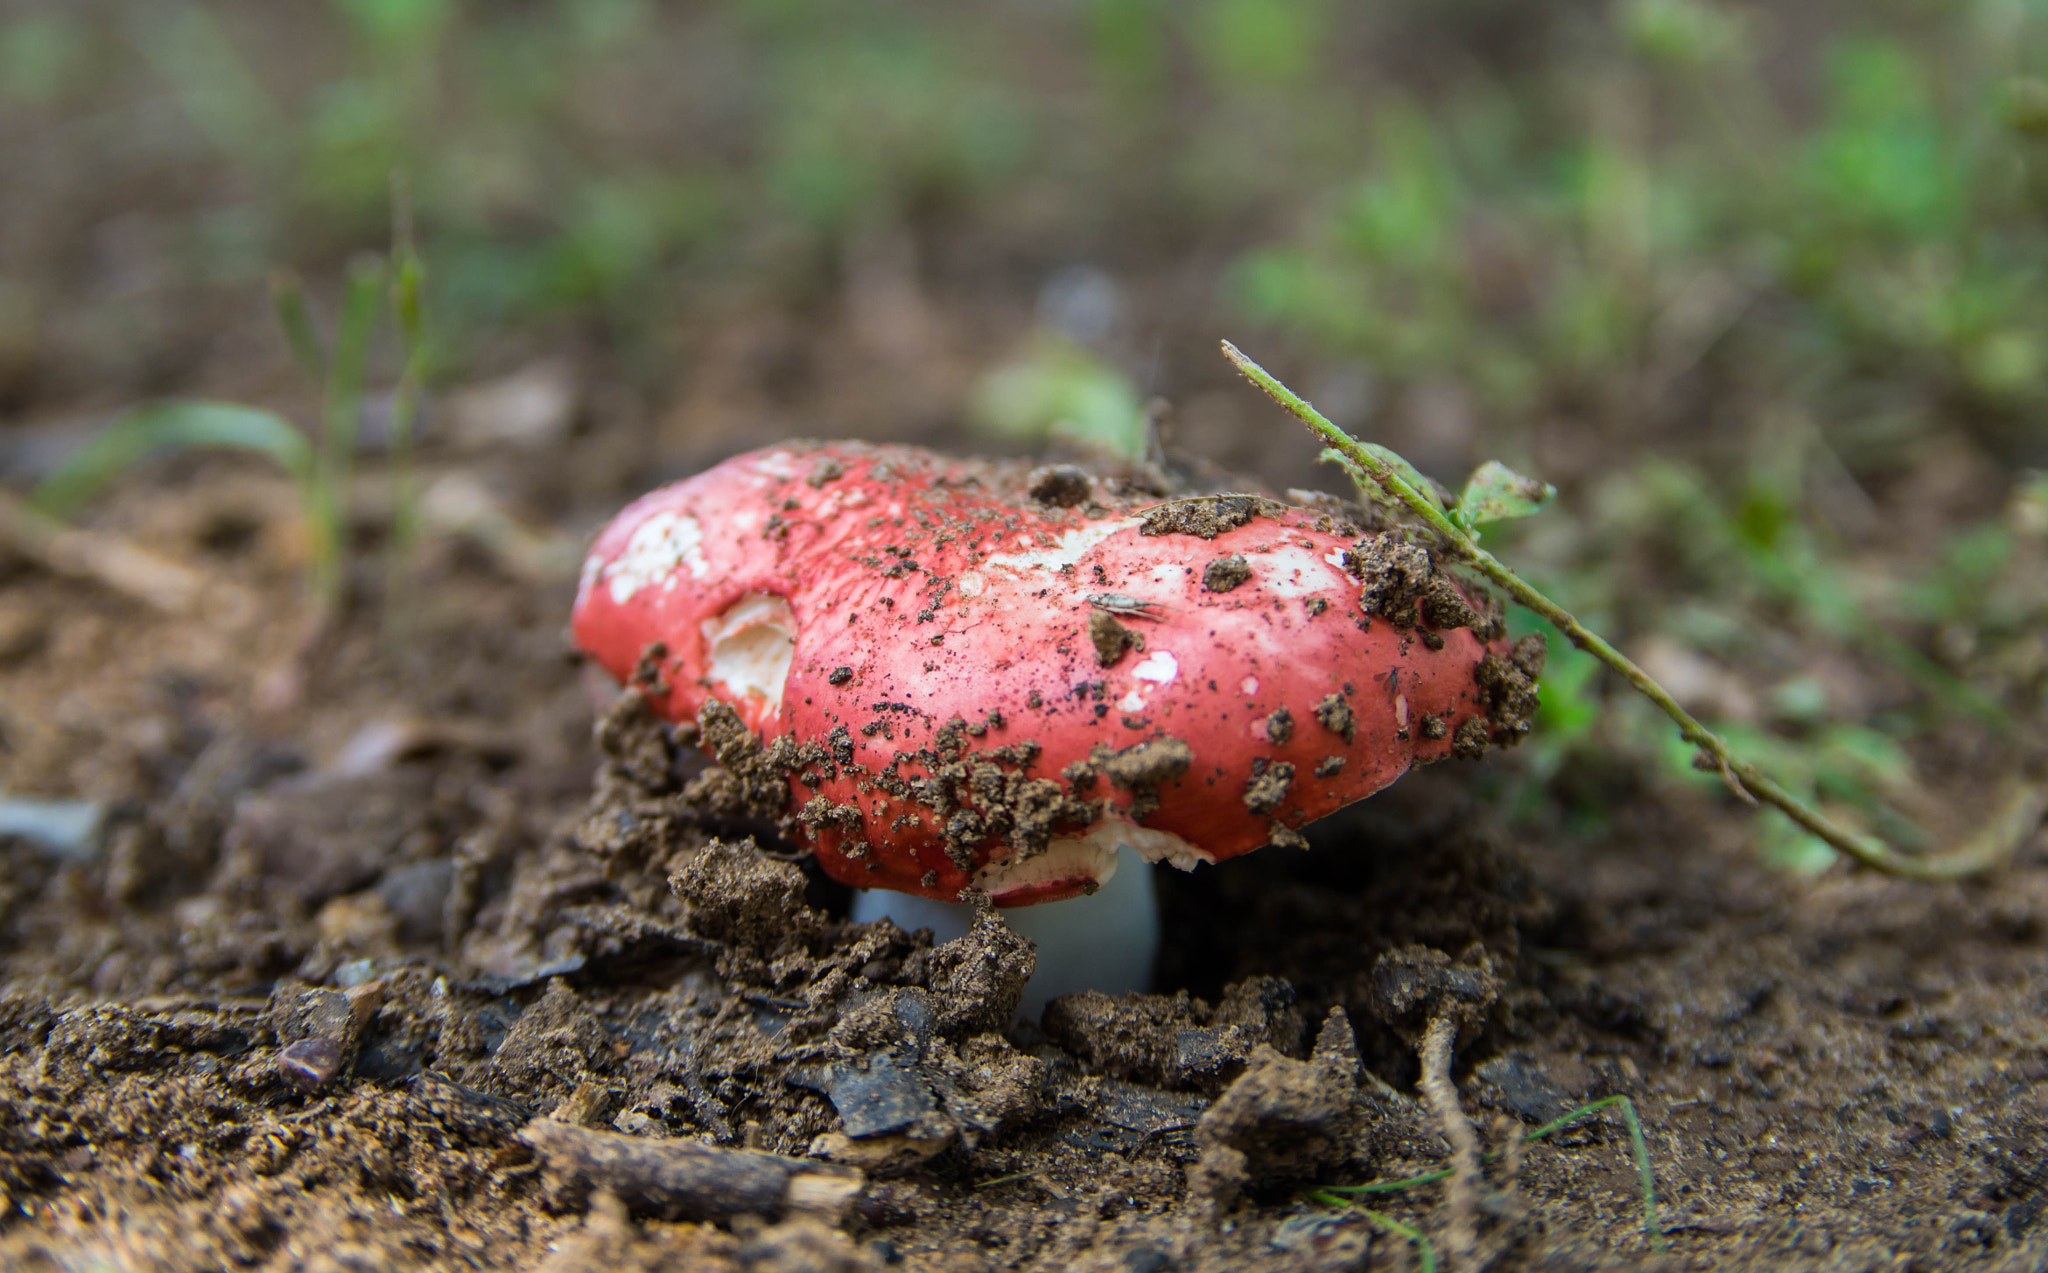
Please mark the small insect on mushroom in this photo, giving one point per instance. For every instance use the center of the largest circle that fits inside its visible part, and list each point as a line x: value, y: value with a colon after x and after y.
x: 986, y: 690
x: 1129, y: 607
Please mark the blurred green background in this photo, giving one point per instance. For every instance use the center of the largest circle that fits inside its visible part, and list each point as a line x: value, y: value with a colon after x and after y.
x: 1758, y: 285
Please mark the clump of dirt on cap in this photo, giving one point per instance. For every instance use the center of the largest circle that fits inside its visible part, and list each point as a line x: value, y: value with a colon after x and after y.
x: 1140, y: 768
x: 751, y: 778
x: 1510, y: 686
x: 1110, y: 638
x: 1402, y: 582
x: 1226, y: 573
x: 1206, y: 516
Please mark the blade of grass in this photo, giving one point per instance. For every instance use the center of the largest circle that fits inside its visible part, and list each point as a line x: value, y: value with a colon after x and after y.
x: 340, y: 416
x: 171, y: 426
x: 1425, y: 1251
x: 288, y: 298
x: 408, y: 277
x: 2020, y: 807
x: 1639, y: 1150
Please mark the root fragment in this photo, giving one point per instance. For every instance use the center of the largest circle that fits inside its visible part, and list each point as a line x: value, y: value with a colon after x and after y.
x: 1461, y: 1191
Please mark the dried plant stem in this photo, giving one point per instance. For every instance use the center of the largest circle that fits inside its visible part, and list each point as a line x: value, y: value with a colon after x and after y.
x: 2020, y: 807
x: 1461, y: 1189
x: 107, y: 559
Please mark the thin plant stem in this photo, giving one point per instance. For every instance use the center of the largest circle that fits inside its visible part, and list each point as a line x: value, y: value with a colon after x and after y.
x: 340, y: 413
x: 2020, y: 807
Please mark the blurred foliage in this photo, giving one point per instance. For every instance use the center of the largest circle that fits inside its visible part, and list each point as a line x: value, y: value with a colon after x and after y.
x: 1640, y: 188
x: 1894, y: 232
x: 1058, y: 389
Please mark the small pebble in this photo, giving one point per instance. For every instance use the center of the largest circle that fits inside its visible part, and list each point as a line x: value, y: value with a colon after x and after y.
x: 310, y: 1064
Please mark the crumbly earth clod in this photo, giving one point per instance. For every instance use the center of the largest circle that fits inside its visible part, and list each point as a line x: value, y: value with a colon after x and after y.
x: 1226, y: 573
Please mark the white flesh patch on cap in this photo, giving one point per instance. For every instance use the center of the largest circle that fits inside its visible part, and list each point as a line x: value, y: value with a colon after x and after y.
x: 749, y: 646
x: 1159, y: 846
x: 1091, y: 857
x: 1293, y: 572
x: 1159, y: 667
x: 969, y: 585
x: 1067, y: 550
x: 842, y: 497
x: 652, y: 555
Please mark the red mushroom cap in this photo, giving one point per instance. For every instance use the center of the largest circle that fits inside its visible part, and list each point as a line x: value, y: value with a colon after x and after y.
x: 996, y: 677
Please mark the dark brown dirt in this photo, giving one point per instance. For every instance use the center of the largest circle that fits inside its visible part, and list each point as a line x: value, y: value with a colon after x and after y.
x: 1225, y: 573
x: 334, y: 958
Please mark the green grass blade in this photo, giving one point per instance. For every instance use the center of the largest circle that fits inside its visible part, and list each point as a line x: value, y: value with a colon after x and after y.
x: 288, y: 298
x: 340, y: 416
x: 1639, y: 1151
x: 407, y: 283
x: 1425, y: 1250
x: 165, y: 427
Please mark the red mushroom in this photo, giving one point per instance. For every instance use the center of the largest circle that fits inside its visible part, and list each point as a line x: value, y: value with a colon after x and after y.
x: 992, y: 678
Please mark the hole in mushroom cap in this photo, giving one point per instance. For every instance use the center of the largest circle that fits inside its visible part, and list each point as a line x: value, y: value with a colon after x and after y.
x: 749, y: 646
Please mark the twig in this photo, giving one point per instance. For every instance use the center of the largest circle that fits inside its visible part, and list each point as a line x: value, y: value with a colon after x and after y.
x: 687, y: 1179
x: 105, y: 559
x: 2020, y: 806
x: 1439, y: 1042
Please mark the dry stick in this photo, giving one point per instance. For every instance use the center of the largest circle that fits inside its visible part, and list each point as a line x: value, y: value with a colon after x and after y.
x: 2020, y: 808
x: 1461, y: 1191
x: 107, y: 559
x: 687, y: 1179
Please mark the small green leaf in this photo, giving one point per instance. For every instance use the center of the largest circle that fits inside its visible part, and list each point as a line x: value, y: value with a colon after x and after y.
x: 1496, y: 493
x: 171, y: 426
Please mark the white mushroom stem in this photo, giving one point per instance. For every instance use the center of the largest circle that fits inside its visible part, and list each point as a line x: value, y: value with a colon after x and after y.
x: 1105, y: 941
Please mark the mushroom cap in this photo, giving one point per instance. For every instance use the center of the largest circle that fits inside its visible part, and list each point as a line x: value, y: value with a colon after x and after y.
x: 990, y: 689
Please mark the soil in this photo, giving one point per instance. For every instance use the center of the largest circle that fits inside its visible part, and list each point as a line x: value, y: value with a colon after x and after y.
x: 431, y: 960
